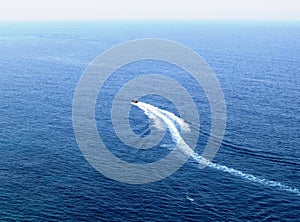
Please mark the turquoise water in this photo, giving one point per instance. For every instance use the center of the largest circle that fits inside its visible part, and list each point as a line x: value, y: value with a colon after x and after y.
x: 45, y: 177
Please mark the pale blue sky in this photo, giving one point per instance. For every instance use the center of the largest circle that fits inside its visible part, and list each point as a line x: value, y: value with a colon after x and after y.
x: 150, y: 9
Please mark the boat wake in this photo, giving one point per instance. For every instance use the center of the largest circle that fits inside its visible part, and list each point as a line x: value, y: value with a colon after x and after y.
x: 171, y: 120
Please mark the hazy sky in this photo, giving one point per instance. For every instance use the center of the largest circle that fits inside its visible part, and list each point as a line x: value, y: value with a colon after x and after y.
x: 150, y: 9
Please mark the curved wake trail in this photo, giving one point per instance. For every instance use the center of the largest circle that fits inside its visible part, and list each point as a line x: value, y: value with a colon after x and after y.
x: 170, y: 119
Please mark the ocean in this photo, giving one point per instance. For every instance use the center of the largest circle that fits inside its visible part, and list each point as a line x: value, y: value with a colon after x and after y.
x: 255, y: 175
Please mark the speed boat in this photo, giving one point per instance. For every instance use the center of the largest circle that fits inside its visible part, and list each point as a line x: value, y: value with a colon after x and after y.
x: 134, y: 101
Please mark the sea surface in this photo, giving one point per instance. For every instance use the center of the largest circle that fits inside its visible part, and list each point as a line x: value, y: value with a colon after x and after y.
x: 45, y: 177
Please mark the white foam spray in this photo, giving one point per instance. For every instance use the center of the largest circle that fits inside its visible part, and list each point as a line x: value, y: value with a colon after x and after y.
x: 170, y: 119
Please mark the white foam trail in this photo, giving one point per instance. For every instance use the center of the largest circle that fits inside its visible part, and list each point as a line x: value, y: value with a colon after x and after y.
x: 247, y: 176
x: 169, y: 123
x: 183, y: 125
x: 157, y: 121
x: 169, y: 119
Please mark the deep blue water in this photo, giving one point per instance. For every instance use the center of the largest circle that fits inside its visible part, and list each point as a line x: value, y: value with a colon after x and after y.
x: 45, y: 177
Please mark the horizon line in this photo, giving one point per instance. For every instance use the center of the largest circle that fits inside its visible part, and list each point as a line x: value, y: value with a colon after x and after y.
x: 144, y: 20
